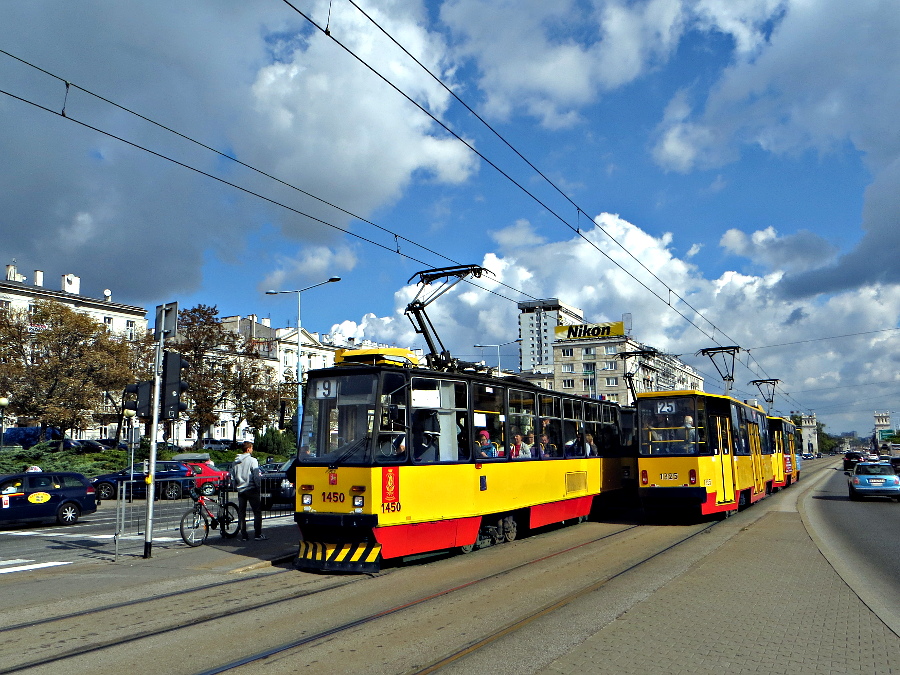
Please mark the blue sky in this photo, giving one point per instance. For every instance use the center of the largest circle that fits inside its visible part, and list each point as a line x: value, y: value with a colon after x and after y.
x: 745, y: 151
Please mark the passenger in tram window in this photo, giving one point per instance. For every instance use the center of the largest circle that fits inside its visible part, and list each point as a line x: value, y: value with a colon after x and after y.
x: 589, y: 448
x: 485, y: 447
x: 518, y: 450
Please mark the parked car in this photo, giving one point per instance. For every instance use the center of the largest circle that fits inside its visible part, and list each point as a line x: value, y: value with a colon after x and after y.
x: 206, y: 478
x: 174, y: 480
x: 851, y: 459
x: 278, y: 486
x: 90, y: 445
x: 112, y: 443
x: 873, y: 479
x: 215, y: 444
x: 61, y: 496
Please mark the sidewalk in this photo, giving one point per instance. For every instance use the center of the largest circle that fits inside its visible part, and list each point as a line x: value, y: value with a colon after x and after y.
x: 767, y: 601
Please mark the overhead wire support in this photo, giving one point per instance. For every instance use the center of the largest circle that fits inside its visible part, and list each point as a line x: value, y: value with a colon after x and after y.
x: 724, y: 365
x: 438, y: 357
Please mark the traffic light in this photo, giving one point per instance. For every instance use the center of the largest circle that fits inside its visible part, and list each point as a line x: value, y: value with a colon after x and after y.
x: 144, y: 392
x: 172, y: 385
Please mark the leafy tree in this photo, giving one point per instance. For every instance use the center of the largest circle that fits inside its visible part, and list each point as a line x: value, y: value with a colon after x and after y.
x: 251, y: 387
x: 207, y: 345
x: 56, y: 365
x: 273, y: 442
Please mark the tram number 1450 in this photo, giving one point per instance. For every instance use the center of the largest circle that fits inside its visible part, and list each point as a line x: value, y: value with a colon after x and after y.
x: 333, y: 497
x: 390, y: 507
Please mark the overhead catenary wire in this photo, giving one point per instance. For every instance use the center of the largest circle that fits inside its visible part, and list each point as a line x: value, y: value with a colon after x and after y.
x: 760, y: 370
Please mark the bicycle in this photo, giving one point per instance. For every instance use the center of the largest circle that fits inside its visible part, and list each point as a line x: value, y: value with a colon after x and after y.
x: 195, y: 523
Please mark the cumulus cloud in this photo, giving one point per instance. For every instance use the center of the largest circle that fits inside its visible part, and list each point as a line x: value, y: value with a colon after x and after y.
x: 797, y: 253
x: 252, y: 79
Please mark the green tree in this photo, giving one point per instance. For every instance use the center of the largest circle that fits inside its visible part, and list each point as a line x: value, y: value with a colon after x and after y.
x: 57, y: 364
x: 208, y: 346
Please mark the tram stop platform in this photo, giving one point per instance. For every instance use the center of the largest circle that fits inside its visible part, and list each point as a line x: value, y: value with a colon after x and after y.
x: 766, y: 600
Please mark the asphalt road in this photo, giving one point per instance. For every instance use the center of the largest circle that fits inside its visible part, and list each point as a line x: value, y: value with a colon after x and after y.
x: 860, y: 540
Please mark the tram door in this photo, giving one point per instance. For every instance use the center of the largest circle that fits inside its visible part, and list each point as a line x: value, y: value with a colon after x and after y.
x: 720, y: 431
x: 778, y: 443
x: 759, y: 476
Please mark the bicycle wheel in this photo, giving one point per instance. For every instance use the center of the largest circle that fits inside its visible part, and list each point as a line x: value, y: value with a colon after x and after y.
x: 229, y: 520
x: 194, y: 528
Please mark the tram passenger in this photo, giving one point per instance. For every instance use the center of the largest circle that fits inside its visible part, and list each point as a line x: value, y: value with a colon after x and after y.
x: 485, y: 447
x: 518, y: 449
x: 590, y: 449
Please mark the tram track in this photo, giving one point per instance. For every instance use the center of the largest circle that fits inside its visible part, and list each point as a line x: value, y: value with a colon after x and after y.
x: 50, y: 626
x: 203, y: 605
x: 512, y: 626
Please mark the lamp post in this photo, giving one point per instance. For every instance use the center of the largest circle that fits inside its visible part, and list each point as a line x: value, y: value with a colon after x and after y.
x: 502, y: 344
x: 3, y: 403
x: 299, y: 364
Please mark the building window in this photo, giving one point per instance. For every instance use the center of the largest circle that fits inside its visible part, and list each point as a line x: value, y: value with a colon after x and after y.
x: 588, y: 367
x: 129, y: 329
x: 612, y: 381
x: 609, y: 365
x: 107, y: 321
x: 4, y: 304
x: 588, y: 384
x: 567, y: 351
x: 568, y: 367
x: 612, y: 397
x: 568, y: 384
x: 611, y: 349
x: 589, y: 351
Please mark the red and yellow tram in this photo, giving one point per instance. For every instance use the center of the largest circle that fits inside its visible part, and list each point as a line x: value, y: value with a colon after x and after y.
x: 398, y: 461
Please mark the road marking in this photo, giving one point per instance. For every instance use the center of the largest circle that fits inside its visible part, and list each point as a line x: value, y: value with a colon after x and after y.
x: 101, y: 537
x: 36, y: 566
x: 17, y: 561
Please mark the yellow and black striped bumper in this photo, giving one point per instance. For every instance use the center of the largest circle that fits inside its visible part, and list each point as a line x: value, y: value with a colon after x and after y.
x: 357, y: 557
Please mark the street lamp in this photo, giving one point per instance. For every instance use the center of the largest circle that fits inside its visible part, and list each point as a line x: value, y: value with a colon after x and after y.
x: 3, y: 403
x: 299, y: 364
x: 502, y: 344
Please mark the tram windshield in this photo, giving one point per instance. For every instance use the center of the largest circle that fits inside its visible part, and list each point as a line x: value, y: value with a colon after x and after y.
x: 338, y: 419
x: 669, y: 426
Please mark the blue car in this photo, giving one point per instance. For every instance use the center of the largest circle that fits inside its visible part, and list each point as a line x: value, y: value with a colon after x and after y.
x: 174, y: 480
x: 873, y: 479
x: 62, y: 496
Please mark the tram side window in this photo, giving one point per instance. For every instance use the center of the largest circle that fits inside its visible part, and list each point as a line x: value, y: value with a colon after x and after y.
x: 549, y: 442
x: 741, y: 439
x: 521, y: 424
x: 488, y: 418
x: 573, y: 428
x: 391, y: 446
x: 438, y: 422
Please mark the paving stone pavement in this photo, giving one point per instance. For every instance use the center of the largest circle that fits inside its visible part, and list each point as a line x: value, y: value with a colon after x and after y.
x: 766, y: 601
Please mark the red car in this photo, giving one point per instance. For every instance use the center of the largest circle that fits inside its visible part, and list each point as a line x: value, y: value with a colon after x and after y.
x: 207, y: 478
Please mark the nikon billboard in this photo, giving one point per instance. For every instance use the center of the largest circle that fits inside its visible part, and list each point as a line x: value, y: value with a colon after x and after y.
x: 588, y: 331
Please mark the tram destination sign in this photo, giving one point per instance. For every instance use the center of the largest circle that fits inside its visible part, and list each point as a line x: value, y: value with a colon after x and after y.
x: 586, y: 331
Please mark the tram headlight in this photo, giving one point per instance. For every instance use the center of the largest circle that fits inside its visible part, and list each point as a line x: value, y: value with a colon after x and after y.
x: 358, y: 501
x: 306, y: 500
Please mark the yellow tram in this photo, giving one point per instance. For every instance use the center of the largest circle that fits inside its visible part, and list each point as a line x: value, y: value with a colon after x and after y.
x: 398, y: 461
x: 783, y: 436
x: 702, y: 451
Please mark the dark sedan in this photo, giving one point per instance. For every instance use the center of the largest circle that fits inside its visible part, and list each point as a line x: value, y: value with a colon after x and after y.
x: 62, y: 496
x: 174, y: 480
x: 278, y: 486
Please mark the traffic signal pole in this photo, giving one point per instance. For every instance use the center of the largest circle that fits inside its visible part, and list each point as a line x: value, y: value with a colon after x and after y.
x: 166, y: 326
x: 154, y: 430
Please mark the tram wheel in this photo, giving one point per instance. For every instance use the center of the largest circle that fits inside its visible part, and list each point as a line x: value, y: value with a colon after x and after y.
x: 466, y: 548
x: 510, y: 529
